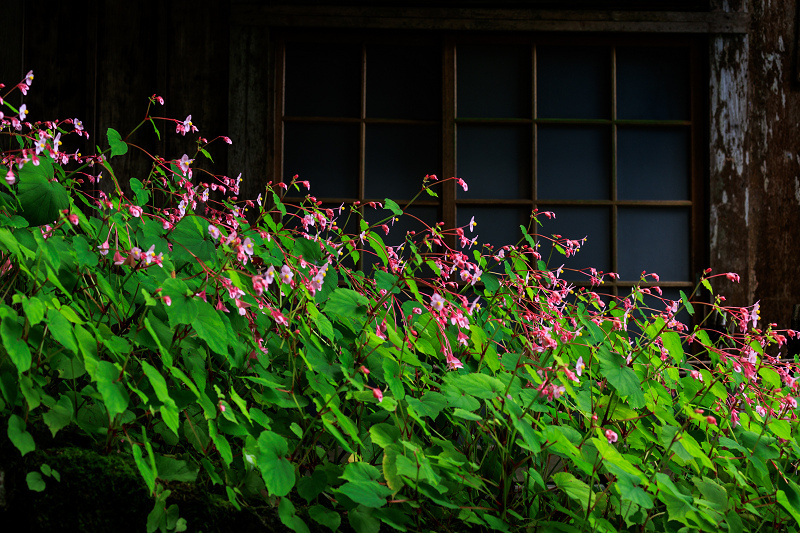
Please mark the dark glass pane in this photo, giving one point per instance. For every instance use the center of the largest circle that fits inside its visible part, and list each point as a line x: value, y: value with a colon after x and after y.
x: 323, y: 80
x: 573, y: 82
x: 653, y: 164
x: 574, y: 163
x: 494, y: 81
x: 497, y: 226
x: 324, y: 154
x: 575, y: 223
x: 404, y: 82
x: 495, y: 161
x: 398, y: 157
x: 653, y: 83
x: 654, y: 240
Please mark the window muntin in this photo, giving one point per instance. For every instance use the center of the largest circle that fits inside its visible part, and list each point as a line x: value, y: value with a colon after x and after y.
x: 603, y: 131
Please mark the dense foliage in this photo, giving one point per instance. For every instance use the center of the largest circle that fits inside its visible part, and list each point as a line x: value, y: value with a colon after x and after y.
x: 234, y: 345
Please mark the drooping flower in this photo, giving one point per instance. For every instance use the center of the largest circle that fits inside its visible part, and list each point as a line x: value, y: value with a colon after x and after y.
x: 104, y: 248
x: 761, y: 411
x: 184, y: 164
x: 612, y: 436
x: 213, y: 231
x: 135, y: 210
x: 376, y: 392
x: 472, y: 224
x: 248, y: 246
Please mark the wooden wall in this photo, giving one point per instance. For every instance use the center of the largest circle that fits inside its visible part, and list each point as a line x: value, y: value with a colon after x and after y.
x: 99, y: 60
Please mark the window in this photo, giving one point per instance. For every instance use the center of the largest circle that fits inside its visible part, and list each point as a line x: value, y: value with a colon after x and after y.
x: 604, y: 131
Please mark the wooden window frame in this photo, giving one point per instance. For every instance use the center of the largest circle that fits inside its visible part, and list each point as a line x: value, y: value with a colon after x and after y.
x: 449, y: 202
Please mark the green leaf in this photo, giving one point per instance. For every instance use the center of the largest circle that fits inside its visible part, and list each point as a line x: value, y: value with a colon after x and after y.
x: 183, y: 306
x: 107, y: 376
x: 60, y: 415
x: 308, y: 250
x: 633, y: 494
x: 686, y: 302
x: 40, y: 198
x: 347, y: 303
x: 309, y: 487
x: 17, y: 348
x: 672, y: 342
x: 147, y: 473
x: 142, y: 196
x: 490, y: 282
x: 392, y: 206
x: 363, y: 522
x: 623, y: 378
x: 573, y: 487
x: 210, y: 327
x: 393, y: 376
x: 781, y: 428
x: 360, y: 471
x: 367, y: 493
x: 288, y: 515
x: 169, y: 411
x: 34, y: 309
x: 118, y: 146
x: 35, y: 481
x: 790, y: 506
x: 190, y: 238
x: 19, y: 436
x: 170, y: 469
x: 221, y: 443
x: 386, y: 281
x: 277, y: 471
x: 384, y: 434
x: 327, y: 517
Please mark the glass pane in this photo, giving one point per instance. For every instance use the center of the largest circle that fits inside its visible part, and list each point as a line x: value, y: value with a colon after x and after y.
x: 653, y: 83
x: 398, y: 157
x: 324, y: 154
x: 404, y: 82
x: 494, y: 81
x: 574, y: 163
x: 653, y: 164
x: 654, y: 240
x: 573, y: 82
x: 495, y: 225
x: 323, y: 80
x: 495, y: 161
x: 575, y: 223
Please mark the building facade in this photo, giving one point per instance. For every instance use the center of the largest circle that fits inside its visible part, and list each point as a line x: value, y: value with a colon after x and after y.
x: 665, y: 131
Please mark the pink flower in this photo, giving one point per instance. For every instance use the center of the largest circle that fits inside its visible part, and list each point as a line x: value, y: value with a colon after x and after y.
x: 711, y: 420
x: 248, y: 246
x: 463, y: 184
x: 580, y: 366
x: 472, y: 224
x: 611, y: 436
x: 378, y: 394
x: 10, y: 178
x: 23, y: 112
x: 118, y: 259
x: 761, y: 411
x: 732, y: 276
x: 279, y: 318
x: 184, y: 163
x: 167, y: 300
x: 185, y: 126
x: 213, y: 231
x: 697, y: 375
x: 29, y: 78
x: 437, y: 302
x: 269, y: 275
x: 286, y: 274
x: 453, y: 362
x: 135, y: 210
x: 227, y: 140
x: 77, y: 124
x: 463, y: 340
x: 103, y: 248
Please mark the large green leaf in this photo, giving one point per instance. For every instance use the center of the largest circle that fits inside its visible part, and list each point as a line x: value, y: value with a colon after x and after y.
x: 277, y: 471
x: 170, y: 469
x: 60, y: 415
x: 347, y: 303
x: 622, y: 377
x: 189, y: 238
x: 573, y: 487
x: 15, y: 345
x: 107, y: 376
x: 327, y: 517
x: 19, y: 436
x: 169, y: 411
x: 210, y: 327
x: 182, y: 308
x: 118, y: 146
x: 288, y: 515
x: 40, y: 198
x: 367, y: 493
